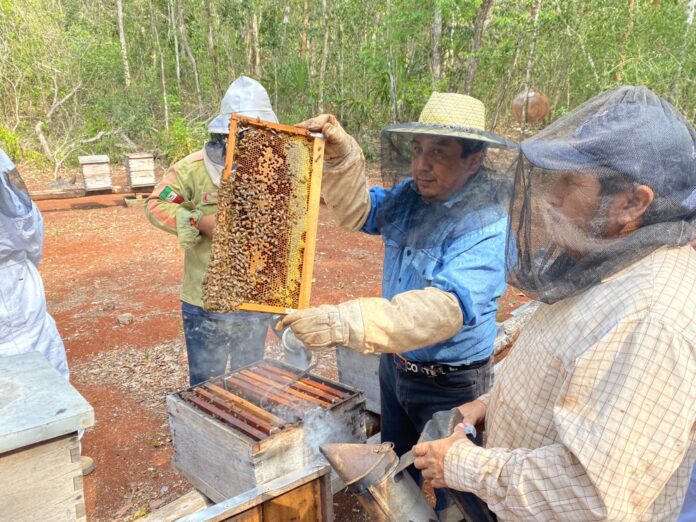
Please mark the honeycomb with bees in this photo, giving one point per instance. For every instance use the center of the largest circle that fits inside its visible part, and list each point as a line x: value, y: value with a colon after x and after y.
x: 263, y: 244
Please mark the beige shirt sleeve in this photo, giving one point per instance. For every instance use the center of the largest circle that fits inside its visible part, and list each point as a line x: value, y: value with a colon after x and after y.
x: 485, y: 399
x: 344, y: 187
x: 615, y: 455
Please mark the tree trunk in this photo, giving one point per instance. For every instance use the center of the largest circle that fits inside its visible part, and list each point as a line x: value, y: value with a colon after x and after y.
x: 172, y: 25
x: 305, y: 29
x: 191, y: 57
x: 324, y: 54
x: 483, y: 17
x: 212, y: 51
x: 158, y: 51
x: 530, y: 60
x: 505, y: 83
x: 122, y: 38
x: 437, y: 37
x: 38, y: 129
x: 341, y: 85
x: 248, y: 58
x: 392, y: 69
x: 256, y: 50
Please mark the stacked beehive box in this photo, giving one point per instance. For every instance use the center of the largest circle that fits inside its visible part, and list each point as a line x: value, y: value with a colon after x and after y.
x: 140, y: 170
x: 96, y: 172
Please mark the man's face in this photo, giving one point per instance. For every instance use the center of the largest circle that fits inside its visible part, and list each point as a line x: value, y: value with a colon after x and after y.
x: 578, y: 216
x: 438, y: 168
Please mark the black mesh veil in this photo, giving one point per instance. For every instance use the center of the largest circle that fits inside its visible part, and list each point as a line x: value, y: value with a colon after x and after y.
x: 576, y: 215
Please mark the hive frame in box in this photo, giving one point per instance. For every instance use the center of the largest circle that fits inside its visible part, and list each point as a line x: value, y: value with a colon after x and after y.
x: 314, y: 195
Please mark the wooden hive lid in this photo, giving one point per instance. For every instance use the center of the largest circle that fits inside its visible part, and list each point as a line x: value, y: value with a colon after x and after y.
x: 37, y: 403
x: 139, y: 155
x: 97, y: 158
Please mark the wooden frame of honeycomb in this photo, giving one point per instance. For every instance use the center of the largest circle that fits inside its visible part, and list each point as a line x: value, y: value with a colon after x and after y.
x: 263, y: 248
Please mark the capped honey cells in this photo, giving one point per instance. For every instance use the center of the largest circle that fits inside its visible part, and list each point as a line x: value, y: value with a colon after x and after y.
x: 263, y: 244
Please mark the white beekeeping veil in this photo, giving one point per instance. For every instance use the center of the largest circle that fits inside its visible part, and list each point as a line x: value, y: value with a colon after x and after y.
x: 244, y: 96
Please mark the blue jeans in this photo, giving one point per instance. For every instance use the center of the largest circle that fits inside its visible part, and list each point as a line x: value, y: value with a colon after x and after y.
x: 409, y: 400
x: 214, y: 339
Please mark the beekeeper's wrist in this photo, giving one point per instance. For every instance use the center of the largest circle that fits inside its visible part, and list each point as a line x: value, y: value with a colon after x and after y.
x: 206, y: 224
x: 342, y: 163
x: 352, y: 329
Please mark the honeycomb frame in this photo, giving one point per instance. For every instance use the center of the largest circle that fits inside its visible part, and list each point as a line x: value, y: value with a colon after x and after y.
x: 230, y: 272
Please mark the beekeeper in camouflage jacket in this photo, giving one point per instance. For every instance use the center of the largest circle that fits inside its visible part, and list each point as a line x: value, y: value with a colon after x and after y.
x: 184, y: 203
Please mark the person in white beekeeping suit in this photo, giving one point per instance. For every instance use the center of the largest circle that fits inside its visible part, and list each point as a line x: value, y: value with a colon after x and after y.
x: 25, y: 324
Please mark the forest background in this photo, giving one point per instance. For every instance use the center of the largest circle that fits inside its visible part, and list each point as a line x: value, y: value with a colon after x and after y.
x: 111, y: 76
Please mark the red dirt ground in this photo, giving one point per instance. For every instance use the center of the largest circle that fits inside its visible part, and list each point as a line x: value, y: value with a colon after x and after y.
x: 102, y: 259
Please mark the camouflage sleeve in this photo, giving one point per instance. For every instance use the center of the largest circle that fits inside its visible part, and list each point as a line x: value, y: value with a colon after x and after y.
x: 165, y: 199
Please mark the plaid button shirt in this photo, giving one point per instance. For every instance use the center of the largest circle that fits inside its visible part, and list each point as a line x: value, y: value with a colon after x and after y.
x: 592, y: 416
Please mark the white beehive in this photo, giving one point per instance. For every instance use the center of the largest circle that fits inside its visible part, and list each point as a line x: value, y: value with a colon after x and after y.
x: 96, y: 172
x: 140, y: 169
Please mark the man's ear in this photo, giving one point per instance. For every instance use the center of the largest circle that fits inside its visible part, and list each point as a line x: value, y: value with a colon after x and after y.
x: 474, y: 160
x: 635, y: 204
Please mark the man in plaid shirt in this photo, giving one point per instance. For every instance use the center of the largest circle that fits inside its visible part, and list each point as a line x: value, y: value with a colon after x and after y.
x: 592, y: 416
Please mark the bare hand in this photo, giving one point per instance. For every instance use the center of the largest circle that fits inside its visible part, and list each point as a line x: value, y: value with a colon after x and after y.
x: 429, y: 457
x: 338, y: 142
x: 206, y: 224
x: 473, y: 412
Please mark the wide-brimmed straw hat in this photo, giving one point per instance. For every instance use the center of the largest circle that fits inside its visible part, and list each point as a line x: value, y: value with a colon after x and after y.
x: 454, y: 115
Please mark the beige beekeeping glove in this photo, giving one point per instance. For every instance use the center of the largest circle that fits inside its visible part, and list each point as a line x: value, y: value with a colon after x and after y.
x: 344, y: 184
x: 410, y: 320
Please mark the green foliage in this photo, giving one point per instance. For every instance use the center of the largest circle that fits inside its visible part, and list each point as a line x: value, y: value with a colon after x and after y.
x: 379, y: 60
x: 180, y: 139
x: 9, y: 142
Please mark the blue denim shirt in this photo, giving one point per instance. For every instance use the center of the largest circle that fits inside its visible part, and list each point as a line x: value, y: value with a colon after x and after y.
x: 469, y: 264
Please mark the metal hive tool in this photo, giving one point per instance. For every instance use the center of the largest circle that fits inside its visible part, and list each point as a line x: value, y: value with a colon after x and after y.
x: 263, y: 246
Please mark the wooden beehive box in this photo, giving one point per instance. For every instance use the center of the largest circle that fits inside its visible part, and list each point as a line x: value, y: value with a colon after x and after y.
x: 96, y: 172
x: 302, y: 496
x: 40, y: 413
x: 140, y: 169
x: 223, y: 462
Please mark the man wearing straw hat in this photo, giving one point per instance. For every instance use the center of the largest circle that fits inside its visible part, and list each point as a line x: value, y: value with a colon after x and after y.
x: 444, y: 226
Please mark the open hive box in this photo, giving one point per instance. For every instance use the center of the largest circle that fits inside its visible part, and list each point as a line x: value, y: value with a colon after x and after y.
x: 264, y: 421
x: 264, y: 240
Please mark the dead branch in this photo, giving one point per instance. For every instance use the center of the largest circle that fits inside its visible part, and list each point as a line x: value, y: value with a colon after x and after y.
x: 57, y: 104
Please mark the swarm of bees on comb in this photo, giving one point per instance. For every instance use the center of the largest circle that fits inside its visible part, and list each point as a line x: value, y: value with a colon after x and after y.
x: 260, y: 237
